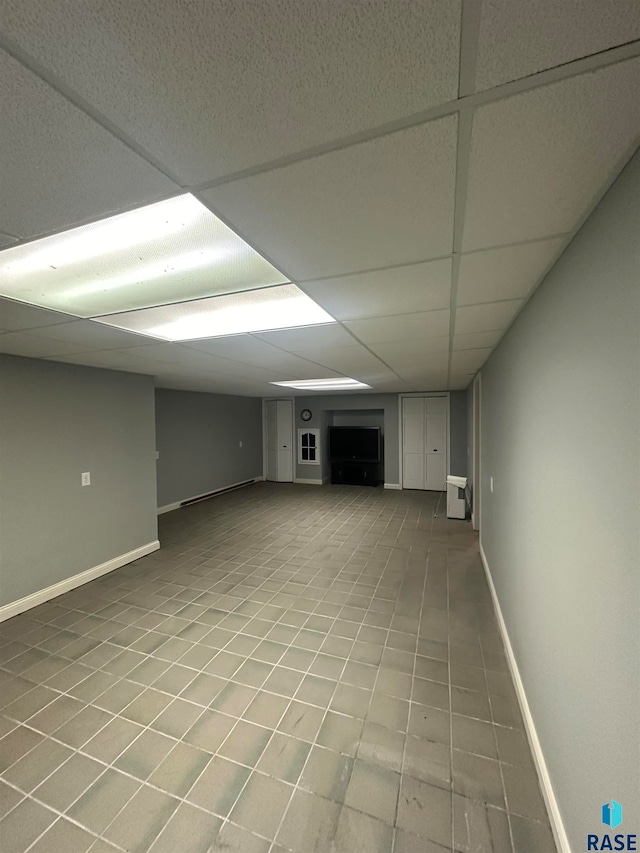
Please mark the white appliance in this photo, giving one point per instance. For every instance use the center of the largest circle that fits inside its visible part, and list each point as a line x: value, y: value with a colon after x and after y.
x: 456, y: 502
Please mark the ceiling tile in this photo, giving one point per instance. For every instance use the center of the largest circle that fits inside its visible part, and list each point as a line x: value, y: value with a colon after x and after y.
x: 475, y: 340
x: 240, y: 347
x: 60, y: 168
x: 400, y: 290
x: 387, y: 383
x: 460, y: 382
x: 348, y: 360
x: 251, y: 351
x: 111, y: 360
x: 17, y: 315
x: 309, y: 338
x: 377, y: 204
x: 507, y: 273
x: 174, y: 358
x: 210, y: 384
x: 90, y: 335
x: 28, y: 345
x: 6, y: 240
x: 486, y: 318
x: 401, y: 327
x: 469, y: 359
x: 540, y: 159
x: 210, y: 88
x: 412, y: 355
x: 425, y: 380
x: 518, y: 38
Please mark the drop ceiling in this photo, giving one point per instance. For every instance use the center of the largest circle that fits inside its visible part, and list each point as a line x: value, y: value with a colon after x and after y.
x: 416, y: 168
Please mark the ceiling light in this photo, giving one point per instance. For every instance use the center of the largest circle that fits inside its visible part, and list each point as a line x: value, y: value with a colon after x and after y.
x: 281, y: 307
x: 170, y: 251
x: 345, y: 384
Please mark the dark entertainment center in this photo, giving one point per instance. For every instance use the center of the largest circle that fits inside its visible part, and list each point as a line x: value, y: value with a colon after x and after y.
x: 355, y: 454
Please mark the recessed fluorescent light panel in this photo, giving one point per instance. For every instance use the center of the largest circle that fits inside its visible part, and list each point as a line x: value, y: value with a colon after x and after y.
x: 345, y: 384
x: 279, y: 307
x: 166, y: 252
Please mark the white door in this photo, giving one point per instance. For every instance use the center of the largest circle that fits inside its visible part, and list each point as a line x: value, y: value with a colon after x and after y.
x: 272, y: 442
x: 285, y: 440
x: 413, y: 461
x: 436, y: 443
x: 424, y: 443
x: 280, y: 441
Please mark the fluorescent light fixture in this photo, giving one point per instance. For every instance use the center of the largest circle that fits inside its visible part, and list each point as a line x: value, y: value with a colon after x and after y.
x: 166, y: 252
x: 280, y: 307
x: 345, y: 384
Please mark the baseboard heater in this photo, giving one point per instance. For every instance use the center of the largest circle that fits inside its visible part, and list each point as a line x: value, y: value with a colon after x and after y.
x: 213, y: 494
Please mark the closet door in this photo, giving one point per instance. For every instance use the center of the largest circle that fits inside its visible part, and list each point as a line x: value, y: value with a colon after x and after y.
x: 272, y: 441
x: 279, y: 442
x: 284, y: 417
x: 413, y: 443
x: 436, y: 443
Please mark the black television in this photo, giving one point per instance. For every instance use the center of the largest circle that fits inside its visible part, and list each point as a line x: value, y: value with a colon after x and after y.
x: 359, y: 444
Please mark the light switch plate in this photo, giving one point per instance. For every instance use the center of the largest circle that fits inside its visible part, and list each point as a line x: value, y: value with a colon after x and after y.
x: 86, y: 478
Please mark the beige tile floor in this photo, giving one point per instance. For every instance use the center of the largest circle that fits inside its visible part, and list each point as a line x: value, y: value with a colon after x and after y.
x: 297, y: 669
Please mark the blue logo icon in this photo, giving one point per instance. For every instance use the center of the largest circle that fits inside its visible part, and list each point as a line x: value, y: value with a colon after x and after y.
x: 612, y: 814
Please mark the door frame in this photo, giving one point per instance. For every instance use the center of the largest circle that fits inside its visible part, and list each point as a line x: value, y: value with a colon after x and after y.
x: 476, y: 464
x: 401, y: 397
x: 266, y: 400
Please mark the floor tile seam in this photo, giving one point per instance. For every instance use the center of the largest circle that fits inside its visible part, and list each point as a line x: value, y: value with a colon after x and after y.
x: 373, y: 689
x: 147, y: 783
x: 452, y: 823
x: 229, y: 679
x: 74, y: 751
x: 58, y: 814
x: 253, y: 769
x: 495, y: 737
x: 297, y: 786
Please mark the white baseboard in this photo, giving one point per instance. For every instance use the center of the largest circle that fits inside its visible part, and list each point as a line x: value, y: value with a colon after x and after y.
x: 392, y: 486
x: 177, y: 504
x: 56, y: 589
x: 555, y: 818
x: 306, y: 482
x: 168, y: 507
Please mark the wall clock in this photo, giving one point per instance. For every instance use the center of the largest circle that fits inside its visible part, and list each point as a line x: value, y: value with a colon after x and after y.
x: 305, y: 414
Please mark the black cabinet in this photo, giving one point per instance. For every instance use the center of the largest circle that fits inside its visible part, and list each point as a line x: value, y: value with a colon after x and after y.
x: 356, y: 473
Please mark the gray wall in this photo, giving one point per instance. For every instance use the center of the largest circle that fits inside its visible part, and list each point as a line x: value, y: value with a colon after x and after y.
x: 324, y: 405
x: 458, y: 433
x: 560, y: 437
x: 57, y: 421
x: 198, y: 438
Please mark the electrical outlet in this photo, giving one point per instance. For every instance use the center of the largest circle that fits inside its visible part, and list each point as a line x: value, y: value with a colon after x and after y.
x: 239, y: 444
x: 86, y: 478
x: 157, y: 454
x: 491, y: 484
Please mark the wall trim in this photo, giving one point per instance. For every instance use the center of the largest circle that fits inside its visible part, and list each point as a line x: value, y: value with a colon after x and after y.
x: 56, y: 589
x: 555, y: 818
x: 178, y: 504
x: 307, y: 482
x: 392, y: 486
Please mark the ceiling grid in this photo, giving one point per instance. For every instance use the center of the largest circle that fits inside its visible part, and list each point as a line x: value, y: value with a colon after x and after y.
x: 416, y: 169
